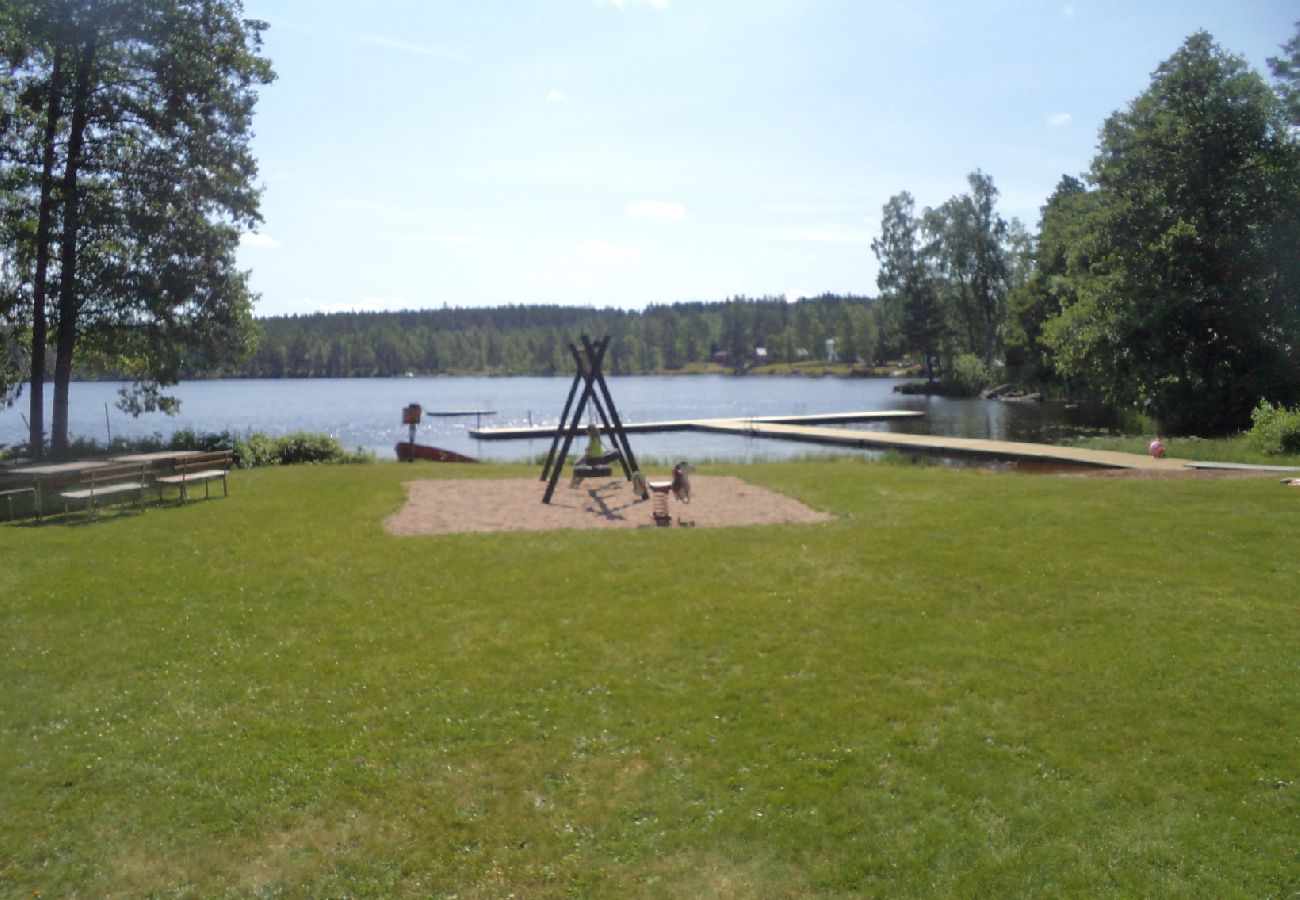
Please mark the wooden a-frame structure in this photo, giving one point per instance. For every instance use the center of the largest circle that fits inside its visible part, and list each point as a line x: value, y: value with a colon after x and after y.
x: 594, y: 389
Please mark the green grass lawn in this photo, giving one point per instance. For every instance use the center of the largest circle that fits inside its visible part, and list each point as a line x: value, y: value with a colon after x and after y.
x: 967, y: 685
x: 1234, y: 449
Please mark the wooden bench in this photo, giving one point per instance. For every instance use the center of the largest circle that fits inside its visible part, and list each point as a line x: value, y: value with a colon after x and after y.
x: 108, y: 482
x: 205, y: 467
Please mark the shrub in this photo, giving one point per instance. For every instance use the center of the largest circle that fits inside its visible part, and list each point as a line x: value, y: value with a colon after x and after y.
x: 256, y: 449
x: 1275, y: 430
x: 298, y: 447
x: 309, y: 447
x: 251, y: 449
x: 207, y: 441
x: 969, y: 375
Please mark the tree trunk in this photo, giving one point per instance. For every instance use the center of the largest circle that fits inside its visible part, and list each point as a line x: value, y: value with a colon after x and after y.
x: 69, y: 301
x: 40, y: 327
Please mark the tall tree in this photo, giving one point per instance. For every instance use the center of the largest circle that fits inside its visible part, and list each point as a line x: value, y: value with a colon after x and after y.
x: 1192, y: 301
x: 1286, y: 69
x: 972, y: 253
x: 11, y: 332
x: 909, y: 295
x: 35, y: 39
x: 1060, y: 261
x: 148, y: 106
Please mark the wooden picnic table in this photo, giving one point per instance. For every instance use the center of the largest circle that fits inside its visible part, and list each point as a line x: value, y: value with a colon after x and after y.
x: 158, y: 459
x: 54, y: 470
x: 42, y: 478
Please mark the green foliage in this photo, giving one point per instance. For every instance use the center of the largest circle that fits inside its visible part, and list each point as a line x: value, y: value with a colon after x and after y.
x: 255, y: 449
x: 1060, y: 262
x: 533, y: 340
x: 311, y: 447
x: 139, y: 112
x: 969, y: 375
x: 967, y: 685
x: 1275, y: 430
x: 945, y: 275
x: 913, y: 318
x: 1186, y: 296
x: 1286, y: 69
x: 252, y: 449
x: 971, y: 254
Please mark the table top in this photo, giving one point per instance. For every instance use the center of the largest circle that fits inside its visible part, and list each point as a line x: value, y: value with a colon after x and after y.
x: 157, y: 456
x: 66, y: 468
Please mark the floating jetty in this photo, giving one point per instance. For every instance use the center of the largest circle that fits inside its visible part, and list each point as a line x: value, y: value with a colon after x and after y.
x: 716, y: 425
x: 971, y: 448
x: 811, y: 429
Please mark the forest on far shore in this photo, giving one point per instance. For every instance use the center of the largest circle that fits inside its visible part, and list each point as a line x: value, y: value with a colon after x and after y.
x: 534, y: 340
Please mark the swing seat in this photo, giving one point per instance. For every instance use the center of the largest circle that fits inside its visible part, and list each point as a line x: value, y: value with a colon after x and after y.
x: 592, y: 471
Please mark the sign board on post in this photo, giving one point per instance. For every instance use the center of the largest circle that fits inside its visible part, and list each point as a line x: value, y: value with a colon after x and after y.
x: 411, y: 414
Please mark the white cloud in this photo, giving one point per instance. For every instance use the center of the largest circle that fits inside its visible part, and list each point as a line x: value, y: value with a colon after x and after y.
x: 605, y: 254
x: 1068, y: 12
x: 264, y: 241
x: 656, y: 209
x: 829, y: 234
x: 1058, y: 119
x: 554, y: 96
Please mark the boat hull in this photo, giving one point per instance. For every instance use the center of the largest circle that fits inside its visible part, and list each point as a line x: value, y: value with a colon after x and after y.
x: 408, y: 452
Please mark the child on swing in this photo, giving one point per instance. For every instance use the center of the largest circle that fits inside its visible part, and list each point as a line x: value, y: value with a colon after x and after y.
x: 595, y: 455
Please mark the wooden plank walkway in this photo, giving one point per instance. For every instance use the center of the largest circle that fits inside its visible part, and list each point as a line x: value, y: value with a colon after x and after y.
x: 549, y: 431
x: 808, y: 429
x: 947, y: 446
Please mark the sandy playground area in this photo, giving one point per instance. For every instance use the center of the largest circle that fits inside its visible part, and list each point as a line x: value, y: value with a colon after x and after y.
x: 443, y: 506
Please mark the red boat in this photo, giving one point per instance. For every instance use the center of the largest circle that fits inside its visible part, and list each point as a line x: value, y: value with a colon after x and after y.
x: 408, y: 452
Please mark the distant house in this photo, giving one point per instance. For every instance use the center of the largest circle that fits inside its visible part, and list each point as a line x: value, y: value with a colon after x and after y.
x: 760, y: 356
x: 801, y: 354
x: 831, y: 355
x: 722, y: 358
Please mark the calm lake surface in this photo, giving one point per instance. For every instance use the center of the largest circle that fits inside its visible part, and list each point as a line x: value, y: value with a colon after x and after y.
x: 366, y: 412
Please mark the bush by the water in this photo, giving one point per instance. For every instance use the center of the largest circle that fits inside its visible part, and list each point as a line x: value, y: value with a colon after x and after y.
x: 252, y: 449
x: 1275, y: 430
x: 967, y: 378
x: 313, y: 447
x: 969, y: 375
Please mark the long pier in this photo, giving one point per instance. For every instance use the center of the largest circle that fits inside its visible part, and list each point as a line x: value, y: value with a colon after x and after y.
x: 550, y: 431
x: 972, y: 448
x: 811, y: 429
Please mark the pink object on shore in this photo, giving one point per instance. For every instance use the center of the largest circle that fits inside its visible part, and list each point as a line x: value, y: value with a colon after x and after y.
x: 1156, y: 448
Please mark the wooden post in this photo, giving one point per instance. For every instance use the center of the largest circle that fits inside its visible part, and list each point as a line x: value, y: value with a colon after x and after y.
x: 564, y: 418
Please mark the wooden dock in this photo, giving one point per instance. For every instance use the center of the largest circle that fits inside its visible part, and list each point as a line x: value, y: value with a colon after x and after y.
x: 550, y: 431
x: 971, y: 448
x: 810, y: 429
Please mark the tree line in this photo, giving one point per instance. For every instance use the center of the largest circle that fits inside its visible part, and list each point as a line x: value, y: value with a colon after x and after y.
x: 534, y: 340
x: 1166, y: 278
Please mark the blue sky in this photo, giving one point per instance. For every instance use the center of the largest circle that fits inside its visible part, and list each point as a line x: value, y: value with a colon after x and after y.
x: 417, y: 153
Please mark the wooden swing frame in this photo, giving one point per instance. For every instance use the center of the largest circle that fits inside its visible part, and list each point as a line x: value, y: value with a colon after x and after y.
x: 594, y: 390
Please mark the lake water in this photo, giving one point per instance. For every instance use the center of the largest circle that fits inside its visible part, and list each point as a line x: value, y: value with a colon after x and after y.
x: 366, y: 412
